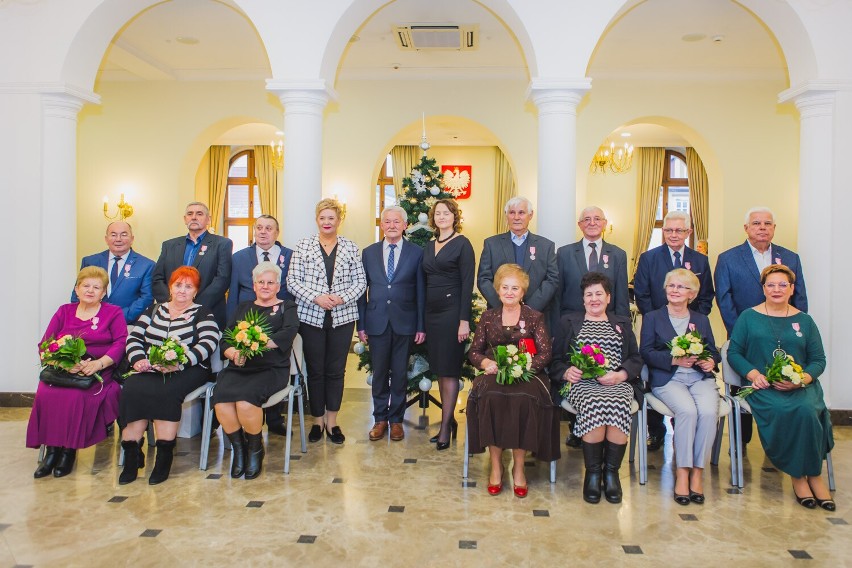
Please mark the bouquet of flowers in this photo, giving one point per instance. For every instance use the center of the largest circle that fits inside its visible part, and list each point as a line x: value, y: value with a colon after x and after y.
x: 513, y: 364
x: 171, y: 352
x: 65, y: 353
x: 250, y: 335
x: 591, y: 361
x: 689, y: 344
x: 782, y: 368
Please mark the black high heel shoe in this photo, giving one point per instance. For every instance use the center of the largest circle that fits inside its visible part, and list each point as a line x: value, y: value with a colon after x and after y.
x: 827, y: 504
x: 807, y: 502
x: 454, y: 428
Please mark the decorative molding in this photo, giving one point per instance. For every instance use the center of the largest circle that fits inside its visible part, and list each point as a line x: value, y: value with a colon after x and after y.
x: 813, y: 87
x: 84, y: 95
x: 309, y: 88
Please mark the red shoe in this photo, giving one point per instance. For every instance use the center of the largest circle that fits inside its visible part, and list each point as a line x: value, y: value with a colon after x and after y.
x: 520, y: 490
x: 495, y: 489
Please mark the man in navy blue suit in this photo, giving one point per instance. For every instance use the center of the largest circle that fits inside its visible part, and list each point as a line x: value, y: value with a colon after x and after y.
x: 390, y: 317
x: 738, y: 271
x: 651, y: 295
x: 129, y: 272
x: 265, y: 248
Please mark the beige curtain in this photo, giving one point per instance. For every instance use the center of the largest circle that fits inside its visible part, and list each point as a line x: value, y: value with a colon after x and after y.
x: 267, y: 180
x: 219, y: 157
x: 404, y: 158
x: 651, y: 162
x: 699, y: 194
x: 505, y: 189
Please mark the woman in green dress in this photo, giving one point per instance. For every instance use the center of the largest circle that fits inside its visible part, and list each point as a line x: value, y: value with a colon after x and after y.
x: 792, y: 419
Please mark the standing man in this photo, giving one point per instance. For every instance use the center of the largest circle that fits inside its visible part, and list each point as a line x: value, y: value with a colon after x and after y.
x: 534, y: 253
x: 738, y: 271
x: 265, y: 248
x: 209, y: 253
x: 651, y: 295
x: 129, y: 272
x: 390, y: 316
x: 592, y: 254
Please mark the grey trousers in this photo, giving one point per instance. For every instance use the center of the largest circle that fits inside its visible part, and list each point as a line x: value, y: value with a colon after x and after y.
x: 696, y: 410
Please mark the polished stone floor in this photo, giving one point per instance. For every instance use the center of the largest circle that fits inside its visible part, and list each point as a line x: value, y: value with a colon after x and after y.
x: 401, y: 504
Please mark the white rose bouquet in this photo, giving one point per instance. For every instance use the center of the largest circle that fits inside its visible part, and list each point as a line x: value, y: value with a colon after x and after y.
x: 513, y: 364
x: 689, y: 344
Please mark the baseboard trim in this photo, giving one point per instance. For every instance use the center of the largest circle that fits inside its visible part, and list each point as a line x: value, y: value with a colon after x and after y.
x: 16, y: 399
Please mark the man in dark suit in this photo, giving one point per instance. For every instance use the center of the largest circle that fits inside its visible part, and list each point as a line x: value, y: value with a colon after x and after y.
x: 592, y: 254
x: 390, y: 316
x: 650, y: 294
x: 209, y: 253
x: 738, y: 271
x: 129, y: 272
x: 534, y: 253
x: 265, y: 248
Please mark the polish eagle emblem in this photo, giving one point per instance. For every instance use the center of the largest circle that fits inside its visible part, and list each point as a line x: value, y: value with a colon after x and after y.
x: 457, y: 181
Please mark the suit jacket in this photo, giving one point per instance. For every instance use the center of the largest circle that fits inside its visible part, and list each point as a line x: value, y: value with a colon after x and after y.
x: 543, y: 272
x: 657, y: 330
x: 571, y: 260
x: 242, y: 285
x: 651, y: 273
x: 738, y: 281
x: 400, y: 303
x: 213, y: 262
x: 132, y: 291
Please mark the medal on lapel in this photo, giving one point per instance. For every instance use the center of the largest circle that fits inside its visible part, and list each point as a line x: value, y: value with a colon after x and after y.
x: 797, y: 328
x: 522, y: 324
x: 687, y: 265
x: 605, y: 259
x: 95, y: 321
x: 280, y: 261
x: 778, y: 260
x: 127, y: 270
x: 203, y: 250
x: 532, y: 253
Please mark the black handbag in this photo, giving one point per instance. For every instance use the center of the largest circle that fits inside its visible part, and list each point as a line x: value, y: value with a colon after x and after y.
x: 62, y: 378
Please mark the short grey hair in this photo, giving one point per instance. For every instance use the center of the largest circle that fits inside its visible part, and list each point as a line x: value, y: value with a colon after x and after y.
x: 759, y: 209
x: 263, y: 267
x: 679, y: 215
x: 200, y: 204
x: 395, y: 209
x: 589, y: 209
x: 517, y: 201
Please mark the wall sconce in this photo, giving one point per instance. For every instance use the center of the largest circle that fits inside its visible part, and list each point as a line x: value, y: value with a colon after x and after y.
x: 123, y: 209
x: 277, y: 154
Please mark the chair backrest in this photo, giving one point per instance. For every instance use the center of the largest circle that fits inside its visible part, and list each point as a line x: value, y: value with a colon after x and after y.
x: 728, y: 374
x: 296, y: 356
x: 643, y: 374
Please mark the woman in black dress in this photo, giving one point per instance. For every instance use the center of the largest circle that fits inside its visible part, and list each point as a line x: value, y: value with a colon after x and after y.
x: 156, y: 392
x: 245, y: 384
x: 449, y: 266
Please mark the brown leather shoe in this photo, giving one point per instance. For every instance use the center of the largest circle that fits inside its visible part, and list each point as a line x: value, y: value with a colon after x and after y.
x: 378, y: 431
x: 397, y: 433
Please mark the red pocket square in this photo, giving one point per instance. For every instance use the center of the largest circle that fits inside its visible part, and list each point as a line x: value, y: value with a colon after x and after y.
x: 528, y: 345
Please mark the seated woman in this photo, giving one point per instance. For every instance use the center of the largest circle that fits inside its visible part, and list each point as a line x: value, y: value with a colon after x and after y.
x: 684, y: 384
x: 245, y: 384
x: 792, y: 420
x: 520, y: 416
x: 68, y: 419
x: 156, y: 392
x: 603, y: 405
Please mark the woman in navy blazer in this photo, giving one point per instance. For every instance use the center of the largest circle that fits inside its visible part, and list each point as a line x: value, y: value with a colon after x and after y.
x: 685, y: 384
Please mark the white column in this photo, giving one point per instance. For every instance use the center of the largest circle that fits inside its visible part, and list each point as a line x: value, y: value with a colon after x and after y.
x: 304, y: 104
x: 557, y: 156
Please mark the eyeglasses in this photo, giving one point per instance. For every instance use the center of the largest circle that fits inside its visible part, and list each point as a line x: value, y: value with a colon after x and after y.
x: 587, y: 220
x: 678, y: 287
x: 676, y: 231
x: 778, y: 286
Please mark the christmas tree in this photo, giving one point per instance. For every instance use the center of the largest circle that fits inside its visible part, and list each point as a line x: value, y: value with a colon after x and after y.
x: 420, y: 192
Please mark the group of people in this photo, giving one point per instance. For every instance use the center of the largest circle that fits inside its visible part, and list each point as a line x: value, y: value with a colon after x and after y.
x: 395, y: 294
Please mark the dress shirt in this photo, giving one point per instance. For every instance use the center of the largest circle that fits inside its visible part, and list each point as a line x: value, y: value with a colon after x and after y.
x: 587, y: 250
x: 121, y: 264
x: 762, y: 259
x: 519, y: 241
x: 274, y: 252
x: 192, y: 248
x: 682, y: 250
x: 386, y: 253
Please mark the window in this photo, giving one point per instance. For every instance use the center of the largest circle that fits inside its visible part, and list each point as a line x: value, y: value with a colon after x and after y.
x: 242, y: 200
x: 674, y: 195
x: 385, y: 193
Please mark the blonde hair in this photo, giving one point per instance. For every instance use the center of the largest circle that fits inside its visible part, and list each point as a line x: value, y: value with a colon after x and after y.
x: 684, y: 276
x: 511, y: 271
x: 93, y: 272
x: 330, y: 203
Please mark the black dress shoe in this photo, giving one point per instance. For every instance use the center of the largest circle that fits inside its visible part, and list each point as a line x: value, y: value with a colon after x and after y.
x: 315, y: 435
x: 807, y: 502
x: 827, y: 504
x: 51, y: 456
x: 573, y: 442
x: 278, y: 428
x: 336, y: 435
x: 682, y: 499
x: 655, y: 443
x: 695, y: 497
x: 66, y: 462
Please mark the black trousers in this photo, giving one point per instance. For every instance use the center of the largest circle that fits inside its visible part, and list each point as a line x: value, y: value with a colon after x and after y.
x: 389, y: 355
x: 325, y: 352
x: 656, y: 427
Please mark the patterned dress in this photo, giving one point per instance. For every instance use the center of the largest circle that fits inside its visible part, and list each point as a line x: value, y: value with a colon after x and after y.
x: 596, y: 404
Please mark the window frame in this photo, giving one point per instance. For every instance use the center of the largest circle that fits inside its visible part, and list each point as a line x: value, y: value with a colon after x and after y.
x: 251, y: 182
x: 664, y: 196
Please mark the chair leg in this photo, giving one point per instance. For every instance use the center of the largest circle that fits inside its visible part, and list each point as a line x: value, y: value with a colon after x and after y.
x: 634, y: 425
x: 205, y: 430
x: 732, y: 449
x: 302, y: 418
x: 466, y: 455
x: 830, y: 468
x: 553, y: 471
x: 739, y: 443
x: 289, y: 436
x: 41, y: 450
x: 643, y: 447
x: 717, y: 443
x: 152, y: 436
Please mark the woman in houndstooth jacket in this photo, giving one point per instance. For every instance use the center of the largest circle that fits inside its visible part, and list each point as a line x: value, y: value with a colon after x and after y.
x: 327, y: 278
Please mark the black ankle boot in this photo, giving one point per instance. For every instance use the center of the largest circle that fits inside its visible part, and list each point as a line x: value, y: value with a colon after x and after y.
x: 238, y: 453
x: 131, y: 462
x: 593, y: 456
x: 66, y: 462
x: 48, y: 462
x: 613, y: 458
x: 255, y: 455
x: 163, y: 462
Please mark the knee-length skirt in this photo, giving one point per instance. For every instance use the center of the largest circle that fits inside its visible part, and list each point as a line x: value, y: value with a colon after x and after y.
x: 599, y: 405
x: 151, y: 396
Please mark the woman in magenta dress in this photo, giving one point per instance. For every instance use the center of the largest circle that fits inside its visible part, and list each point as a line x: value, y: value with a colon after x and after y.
x: 67, y: 419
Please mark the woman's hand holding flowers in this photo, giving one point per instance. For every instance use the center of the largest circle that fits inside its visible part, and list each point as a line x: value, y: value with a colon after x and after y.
x: 612, y: 378
x: 489, y: 366
x: 685, y: 361
x: 573, y: 375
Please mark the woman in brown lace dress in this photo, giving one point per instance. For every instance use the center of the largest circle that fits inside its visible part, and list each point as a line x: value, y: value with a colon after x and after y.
x: 520, y: 416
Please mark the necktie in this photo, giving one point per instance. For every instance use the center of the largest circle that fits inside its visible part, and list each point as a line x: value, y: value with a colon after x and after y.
x: 593, y: 257
x: 113, y: 274
x: 677, y: 263
x: 391, y: 261
x: 266, y: 256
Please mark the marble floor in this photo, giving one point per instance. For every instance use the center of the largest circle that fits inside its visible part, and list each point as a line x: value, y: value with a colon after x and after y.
x: 400, y: 503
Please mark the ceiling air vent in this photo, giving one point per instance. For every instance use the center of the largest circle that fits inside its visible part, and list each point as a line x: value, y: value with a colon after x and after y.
x: 432, y: 36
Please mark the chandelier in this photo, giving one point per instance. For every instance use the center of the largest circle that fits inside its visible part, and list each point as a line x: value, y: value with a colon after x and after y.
x: 615, y: 159
x: 277, y: 154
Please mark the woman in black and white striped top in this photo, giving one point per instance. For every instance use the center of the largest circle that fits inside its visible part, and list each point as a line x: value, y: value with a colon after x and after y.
x: 156, y: 392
